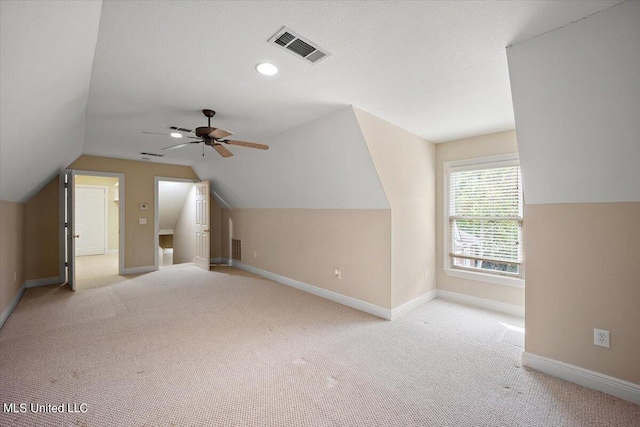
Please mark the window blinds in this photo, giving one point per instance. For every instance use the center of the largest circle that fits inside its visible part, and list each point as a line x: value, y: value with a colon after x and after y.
x: 485, y: 219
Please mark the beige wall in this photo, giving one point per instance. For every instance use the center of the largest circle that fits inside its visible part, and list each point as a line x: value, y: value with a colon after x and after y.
x: 42, y: 224
x: 406, y: 166
x: 308, y: 244
x: 583, y: 272
x: 41, y: 218
x: 184, y: 230
x: 112, y: 203
x: 11, y: 251
x: 216, y: 228
x: 139, y: 188
x: 463, y: 149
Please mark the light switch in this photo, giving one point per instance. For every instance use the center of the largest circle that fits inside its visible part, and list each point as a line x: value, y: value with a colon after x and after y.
x: 142, y: 221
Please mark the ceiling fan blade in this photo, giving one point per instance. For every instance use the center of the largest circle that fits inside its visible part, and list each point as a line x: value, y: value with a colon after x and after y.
x: 247, y: 144
x: 222, y: 150
x: 219, y: 133
x: 175, y: 147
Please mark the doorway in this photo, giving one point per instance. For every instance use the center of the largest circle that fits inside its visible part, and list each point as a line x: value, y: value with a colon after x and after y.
x: 92, y: 213
x: 182, y: 222
x: 175, y: 213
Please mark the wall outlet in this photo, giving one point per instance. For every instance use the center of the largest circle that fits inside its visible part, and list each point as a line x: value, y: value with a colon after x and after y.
x: 338, y: 273
x: 601, y: 338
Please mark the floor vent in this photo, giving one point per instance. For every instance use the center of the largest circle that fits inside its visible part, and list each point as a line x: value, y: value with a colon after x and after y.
x: 302, y: 47
x: 236, y: 249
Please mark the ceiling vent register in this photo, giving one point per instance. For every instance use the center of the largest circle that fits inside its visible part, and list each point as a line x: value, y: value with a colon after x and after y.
x: 300, y: 46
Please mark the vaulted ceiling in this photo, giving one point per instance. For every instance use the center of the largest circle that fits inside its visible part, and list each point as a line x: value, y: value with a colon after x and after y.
x: 90, y: 77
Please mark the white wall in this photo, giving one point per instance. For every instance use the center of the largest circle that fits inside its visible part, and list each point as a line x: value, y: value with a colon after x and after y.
x: 46, y: 59
x: 171, y: 199
x: 184, y: 230
x: 320, y: 165
x: 576, y: 97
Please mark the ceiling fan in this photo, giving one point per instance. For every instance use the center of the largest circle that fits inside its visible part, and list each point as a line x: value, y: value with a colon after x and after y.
x: 210, y: 136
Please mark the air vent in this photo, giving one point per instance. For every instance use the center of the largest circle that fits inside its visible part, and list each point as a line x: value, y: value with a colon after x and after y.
x: 236, y: 249
x: 180, y: 129
x: 152, y: 154
x: 299, y: 46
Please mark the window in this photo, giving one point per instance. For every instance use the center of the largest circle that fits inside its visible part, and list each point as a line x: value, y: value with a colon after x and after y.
x: 484, y: 212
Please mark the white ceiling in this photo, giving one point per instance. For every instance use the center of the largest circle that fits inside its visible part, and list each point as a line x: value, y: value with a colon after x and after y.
x: 46, y: 53
x: 171, y: 199
x: 323, y: 164
x: 578, y: 110
x: 437, y: 69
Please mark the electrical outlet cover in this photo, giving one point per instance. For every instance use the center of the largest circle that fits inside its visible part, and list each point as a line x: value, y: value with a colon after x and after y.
x: 601, y: 338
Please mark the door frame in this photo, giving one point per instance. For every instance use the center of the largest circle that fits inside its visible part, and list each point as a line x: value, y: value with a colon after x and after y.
x: 121, y: 217
x: 106, y: 211
x: 156, y: 214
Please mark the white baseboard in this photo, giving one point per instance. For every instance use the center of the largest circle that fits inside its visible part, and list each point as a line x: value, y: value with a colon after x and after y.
x: 7, y: 311
x: 515, y: 310
x: 215, y: 260
x: 594, y: 380
x: 414, y: 303
x: 138, y: 270
x: 44, y: 282
x: 330, y: 295
x: 112, y: 252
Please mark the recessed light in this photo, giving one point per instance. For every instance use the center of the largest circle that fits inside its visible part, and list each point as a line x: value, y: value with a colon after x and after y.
x: 176, y: 134
x: 267, y: 69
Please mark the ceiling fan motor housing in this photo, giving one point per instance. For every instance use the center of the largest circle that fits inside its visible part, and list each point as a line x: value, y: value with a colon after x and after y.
x: 203, y: 131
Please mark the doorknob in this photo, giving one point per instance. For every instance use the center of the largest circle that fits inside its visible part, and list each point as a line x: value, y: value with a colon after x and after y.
x: 207, y: 231
x: 77, y: 236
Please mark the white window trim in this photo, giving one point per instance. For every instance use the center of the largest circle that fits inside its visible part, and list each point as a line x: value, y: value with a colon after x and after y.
x: 474, y: 164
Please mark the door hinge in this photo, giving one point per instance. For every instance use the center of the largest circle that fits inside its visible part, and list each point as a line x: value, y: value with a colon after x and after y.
x: 66, y: 264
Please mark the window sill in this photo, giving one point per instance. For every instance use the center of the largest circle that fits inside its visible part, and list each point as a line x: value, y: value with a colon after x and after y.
x: 488, y: 278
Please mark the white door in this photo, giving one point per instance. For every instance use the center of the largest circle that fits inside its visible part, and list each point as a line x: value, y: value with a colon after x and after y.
x: 90, y: 220
x: 67, y: 178
x: 203, y: 243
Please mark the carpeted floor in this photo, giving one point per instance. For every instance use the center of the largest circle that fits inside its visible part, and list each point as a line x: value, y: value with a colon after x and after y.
x: 183, y: 346
x: 95, y: 270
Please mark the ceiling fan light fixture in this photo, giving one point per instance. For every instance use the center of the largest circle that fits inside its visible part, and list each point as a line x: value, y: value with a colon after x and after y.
x: 176, y: 134
x: 266, y: 69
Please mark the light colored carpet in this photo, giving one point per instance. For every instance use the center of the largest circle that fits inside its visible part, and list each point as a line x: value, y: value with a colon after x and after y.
x: 95, y: 266
x: 183, y: 346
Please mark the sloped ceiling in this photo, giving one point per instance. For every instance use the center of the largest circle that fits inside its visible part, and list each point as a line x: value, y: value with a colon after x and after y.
x: 322, y: 164
x: 437, y: 69
x: 46, y: 54
x: 578, y: 110
x: 172, y: 197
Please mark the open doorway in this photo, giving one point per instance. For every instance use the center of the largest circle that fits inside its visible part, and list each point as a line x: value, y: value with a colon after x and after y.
x: 92, y: 227
x: 97, y: 227
x: 175, y: 226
